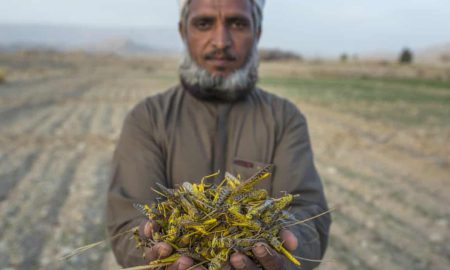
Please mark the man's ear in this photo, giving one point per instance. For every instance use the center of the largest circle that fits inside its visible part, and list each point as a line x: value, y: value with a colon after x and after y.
x: 182, y: 31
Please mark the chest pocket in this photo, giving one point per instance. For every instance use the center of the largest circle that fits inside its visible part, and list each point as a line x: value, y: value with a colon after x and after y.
x: 247, y: 168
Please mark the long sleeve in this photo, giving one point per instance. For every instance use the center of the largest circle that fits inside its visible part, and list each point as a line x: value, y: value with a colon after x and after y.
x: 295, y: 173
x: 137, y: 165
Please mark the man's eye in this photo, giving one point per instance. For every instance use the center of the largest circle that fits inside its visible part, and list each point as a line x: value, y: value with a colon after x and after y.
x: 239, y: 24
x: 203, y: 24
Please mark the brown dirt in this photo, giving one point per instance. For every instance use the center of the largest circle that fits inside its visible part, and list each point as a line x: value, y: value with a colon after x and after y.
x: 58, y: 128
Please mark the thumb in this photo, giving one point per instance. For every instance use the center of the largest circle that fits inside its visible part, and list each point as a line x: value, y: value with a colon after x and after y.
x: 290, y: 241
x: 147, y: 228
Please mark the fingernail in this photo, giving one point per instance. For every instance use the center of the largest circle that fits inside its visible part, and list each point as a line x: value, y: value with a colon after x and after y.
x: 260, y: 250
x: 163, y: 251
x: 183, y: 265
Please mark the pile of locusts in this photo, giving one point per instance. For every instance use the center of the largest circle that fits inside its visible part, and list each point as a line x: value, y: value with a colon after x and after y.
x: 209, y: 222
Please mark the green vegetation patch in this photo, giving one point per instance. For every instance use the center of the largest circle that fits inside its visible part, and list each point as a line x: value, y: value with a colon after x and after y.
x: 399, y: 101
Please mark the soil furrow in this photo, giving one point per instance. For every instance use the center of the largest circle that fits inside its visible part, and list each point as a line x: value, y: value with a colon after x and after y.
x: 21, y: 194
x: 57, y: 117
x: 106, y: 120
x: 25, y: 124
x: 359, y: 239
x: 28, y: 128
x: 332, y: 259
x: 82, y: 225
x: 118, y: 118
x: 414, y: 176
x: 24, y: 87
x: 399, y: 237
x: 36, y: 240
x: 347, y: 255
x: 22, y: 210
x: 68, y: 124
x: 96, y: 125
x: 347, y: 126
x: 368, y: 169
x: 359, y: 246
x: 392, y: 200
x: 87, y: 120
x: 29, y: 107
x: 11, y: 179
x: 94, y: 222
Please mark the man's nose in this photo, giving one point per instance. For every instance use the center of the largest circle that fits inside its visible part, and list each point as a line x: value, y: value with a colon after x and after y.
x: 221, y: 38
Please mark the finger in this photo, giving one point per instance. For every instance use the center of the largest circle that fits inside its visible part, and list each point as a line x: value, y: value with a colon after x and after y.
x: 158, y: 251
x: 290, y: 241
x: 182, y: 263
x: 241, y: 262
x: 269, y: 258
x: 146, y: 228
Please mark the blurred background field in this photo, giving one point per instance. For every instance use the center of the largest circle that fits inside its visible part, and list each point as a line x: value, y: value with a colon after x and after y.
x: 380, y: 135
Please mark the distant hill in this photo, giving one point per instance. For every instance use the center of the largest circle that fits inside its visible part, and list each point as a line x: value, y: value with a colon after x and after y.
x: 119, y: 46
x: 121, y: 40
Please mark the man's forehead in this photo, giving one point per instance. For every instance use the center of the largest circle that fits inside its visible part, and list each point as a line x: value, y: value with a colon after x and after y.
x: 211, y: 7
x: 260, y: 3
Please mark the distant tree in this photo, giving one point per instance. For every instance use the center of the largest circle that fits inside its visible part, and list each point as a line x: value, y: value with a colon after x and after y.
x: 406, y: 56
x: 344, y: 57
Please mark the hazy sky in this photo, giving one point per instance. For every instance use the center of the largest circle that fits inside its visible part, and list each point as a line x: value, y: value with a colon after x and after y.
x: 311, y: 27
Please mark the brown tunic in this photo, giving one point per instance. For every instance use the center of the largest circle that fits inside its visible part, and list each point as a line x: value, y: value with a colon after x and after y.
x: 175, y: 137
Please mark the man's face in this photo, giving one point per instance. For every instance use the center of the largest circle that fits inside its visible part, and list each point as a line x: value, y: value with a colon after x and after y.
x: 220, y: 34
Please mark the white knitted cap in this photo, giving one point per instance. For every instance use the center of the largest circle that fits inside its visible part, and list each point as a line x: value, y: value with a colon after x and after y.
x: 260, y: 4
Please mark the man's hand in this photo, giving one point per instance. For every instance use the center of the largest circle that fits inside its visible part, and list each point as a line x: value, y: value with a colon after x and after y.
x: 162, y: 250
x: 269, y: 258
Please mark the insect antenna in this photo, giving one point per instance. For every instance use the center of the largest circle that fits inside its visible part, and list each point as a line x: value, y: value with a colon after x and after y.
x: 311, y: 218
x: 140, y: 208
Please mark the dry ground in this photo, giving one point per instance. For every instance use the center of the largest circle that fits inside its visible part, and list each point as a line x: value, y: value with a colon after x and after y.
x: 60, y: 116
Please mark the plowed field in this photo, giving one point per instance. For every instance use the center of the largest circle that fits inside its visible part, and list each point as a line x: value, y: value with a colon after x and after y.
x: 381, y: 146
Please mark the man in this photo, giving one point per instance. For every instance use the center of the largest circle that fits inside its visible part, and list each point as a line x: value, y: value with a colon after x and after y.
x: 217, y: 119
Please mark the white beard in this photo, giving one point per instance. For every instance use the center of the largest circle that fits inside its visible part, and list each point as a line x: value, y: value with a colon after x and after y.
x: 243, y: 79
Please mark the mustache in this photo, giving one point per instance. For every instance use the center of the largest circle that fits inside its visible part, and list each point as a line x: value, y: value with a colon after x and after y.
x: 220, y: 53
